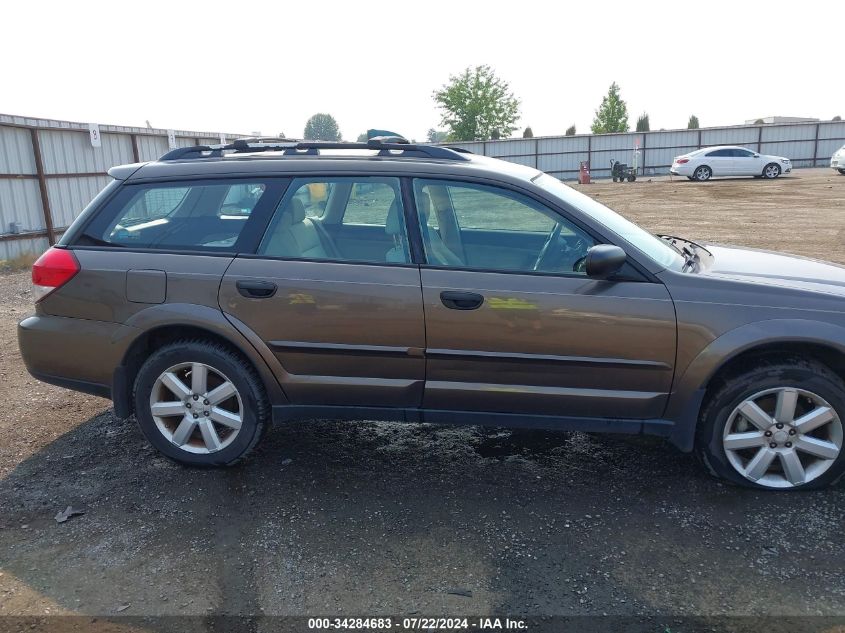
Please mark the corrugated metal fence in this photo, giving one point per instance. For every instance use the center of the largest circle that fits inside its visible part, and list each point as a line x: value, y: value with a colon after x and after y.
x: 806, y: 144
x: 49, y: 171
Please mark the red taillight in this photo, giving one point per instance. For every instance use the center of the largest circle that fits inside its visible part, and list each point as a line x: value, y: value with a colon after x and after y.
x: 681, y: 161
x: 54, y: 269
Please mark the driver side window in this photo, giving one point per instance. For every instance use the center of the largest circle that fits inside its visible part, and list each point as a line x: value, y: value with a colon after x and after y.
x: 465, y: 225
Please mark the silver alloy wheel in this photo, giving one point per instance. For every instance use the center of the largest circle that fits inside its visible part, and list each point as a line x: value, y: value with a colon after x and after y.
x: 772, y: 171
x: 703, y: 173
x: 783, y: 437
x: 196, y: 407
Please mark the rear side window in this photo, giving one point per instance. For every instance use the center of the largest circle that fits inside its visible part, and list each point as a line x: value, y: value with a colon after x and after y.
x: 721, y: 153
x: 209, y: 215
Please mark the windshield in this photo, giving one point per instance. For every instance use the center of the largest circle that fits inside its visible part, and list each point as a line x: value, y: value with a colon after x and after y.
x: 654, y: 247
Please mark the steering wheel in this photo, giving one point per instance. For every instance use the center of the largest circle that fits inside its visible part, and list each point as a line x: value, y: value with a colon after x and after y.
x: 546, y: 251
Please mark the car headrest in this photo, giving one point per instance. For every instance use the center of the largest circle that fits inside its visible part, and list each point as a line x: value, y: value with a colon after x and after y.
x: 295, y: 213
x: 393, y: 224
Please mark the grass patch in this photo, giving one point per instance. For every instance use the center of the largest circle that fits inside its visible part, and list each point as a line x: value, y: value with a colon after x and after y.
x: 24, y: 261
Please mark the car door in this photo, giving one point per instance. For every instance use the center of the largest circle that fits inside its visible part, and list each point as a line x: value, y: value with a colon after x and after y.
x: 746, y: 163
x: 721, y: 161
x: 345, y: 326
x: 513, y: 323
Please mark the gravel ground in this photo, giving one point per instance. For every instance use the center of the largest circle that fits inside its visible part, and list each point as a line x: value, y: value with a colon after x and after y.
x: 378, y: 518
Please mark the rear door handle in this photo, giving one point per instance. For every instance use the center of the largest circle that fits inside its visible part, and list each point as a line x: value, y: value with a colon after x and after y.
x: 255, y: 289
x: 459, y: 300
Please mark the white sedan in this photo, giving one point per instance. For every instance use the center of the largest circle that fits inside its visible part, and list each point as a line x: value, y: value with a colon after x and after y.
x: 706, y: 163
x: 837, y: 161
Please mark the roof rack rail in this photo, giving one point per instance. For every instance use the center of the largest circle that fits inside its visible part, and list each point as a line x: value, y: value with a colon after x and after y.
x: 386, y: 146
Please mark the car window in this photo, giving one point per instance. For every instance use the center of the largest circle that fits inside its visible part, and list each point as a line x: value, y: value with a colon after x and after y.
x: 205, y: 216
x: 720, y: 153
x: 465, y: 225
x: 369, y: 203
x: 743, y: 153
x: 339, y: 219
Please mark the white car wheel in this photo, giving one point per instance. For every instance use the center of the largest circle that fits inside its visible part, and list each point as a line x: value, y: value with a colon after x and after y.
x: 702, y: 173
x: 771, y: 171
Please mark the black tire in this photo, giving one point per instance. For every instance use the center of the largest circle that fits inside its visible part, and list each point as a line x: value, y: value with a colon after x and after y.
x: 632, y: 178
x: 842, y: 171
x: 702, y: 173
x: 690, y: 178
x: 776, y: 171
x: 728, y: 394
x: 255, y: 409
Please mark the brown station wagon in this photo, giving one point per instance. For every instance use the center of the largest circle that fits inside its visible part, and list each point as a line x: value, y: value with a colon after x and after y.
x: 221, y: 288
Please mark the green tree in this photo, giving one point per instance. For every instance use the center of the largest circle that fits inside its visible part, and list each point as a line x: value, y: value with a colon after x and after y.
x: 642, y: 123
x: 836, y: 118
x: 528, y: 133
x: 362, y: 138
x: 321, y: 127
x: 693, y: 122
x: 570, y: 131
x: 759, y: 122
x: 476, y: 102
x: 612, y: 115
x: 436, y: 136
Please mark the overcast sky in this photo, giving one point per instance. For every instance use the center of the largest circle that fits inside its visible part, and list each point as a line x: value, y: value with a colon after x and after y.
x: 267, y: 66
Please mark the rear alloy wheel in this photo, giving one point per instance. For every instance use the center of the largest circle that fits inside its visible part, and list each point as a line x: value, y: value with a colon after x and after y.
x: 200, y: 404
x: 771, y: 171
x: 196, y: 408
x: 702, y: 173
x: 778, y: 426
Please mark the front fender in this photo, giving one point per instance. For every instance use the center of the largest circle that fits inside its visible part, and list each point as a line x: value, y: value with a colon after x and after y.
x: 687, y: 395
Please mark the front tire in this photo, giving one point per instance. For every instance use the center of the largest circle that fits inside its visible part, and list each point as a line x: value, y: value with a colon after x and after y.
x: 842, y: 171
x: 200, y: 404
x: 771, y: 171
x: 702, y: 173
x: 778, y: 426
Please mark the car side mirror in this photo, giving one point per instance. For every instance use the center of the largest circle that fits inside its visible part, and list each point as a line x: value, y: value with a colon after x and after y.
x: 756, y: 155
x: 603, y: 260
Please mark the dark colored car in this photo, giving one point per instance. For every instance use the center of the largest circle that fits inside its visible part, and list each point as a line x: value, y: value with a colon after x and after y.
x: 219, y: 289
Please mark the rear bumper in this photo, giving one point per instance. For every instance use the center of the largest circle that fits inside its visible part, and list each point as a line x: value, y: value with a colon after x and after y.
x: 77, y: 354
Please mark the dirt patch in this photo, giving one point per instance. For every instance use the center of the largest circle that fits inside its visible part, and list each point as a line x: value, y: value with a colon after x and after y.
x: 802, y: 213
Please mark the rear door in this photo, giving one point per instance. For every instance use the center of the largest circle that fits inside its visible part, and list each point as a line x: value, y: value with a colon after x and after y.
x: 514, y: 325
x: 342, y: 313
x: 721, y: 161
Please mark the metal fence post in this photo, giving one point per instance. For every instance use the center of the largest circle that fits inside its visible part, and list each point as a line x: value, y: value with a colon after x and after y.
x: 42, y: 186
x: 136, y: 156
x: 645, y: 136
x: 816, y: 145
x: 759, y: 139
x: 536, y: 154
x: 590, y: 152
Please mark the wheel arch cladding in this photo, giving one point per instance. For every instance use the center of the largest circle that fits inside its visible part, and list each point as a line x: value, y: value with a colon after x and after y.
x: 164, y: 324
x: 736, y: 350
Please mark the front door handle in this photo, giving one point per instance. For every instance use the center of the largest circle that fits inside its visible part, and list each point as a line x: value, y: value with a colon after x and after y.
x: 255, y: 289
x: 459, y: 300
